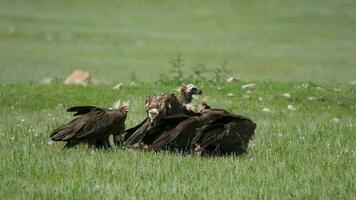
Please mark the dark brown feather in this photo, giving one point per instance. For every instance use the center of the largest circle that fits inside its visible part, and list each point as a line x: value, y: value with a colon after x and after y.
x: 93, y: 126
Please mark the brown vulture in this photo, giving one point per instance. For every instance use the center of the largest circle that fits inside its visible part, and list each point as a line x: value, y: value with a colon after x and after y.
x: 92, y: 126
x: 186, y: 95
x: 212, y: 132
x: 158, y: 107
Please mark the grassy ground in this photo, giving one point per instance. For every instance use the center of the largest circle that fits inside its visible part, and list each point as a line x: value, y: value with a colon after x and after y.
x: 121, y: 40
x: 308, y: 153
x: 295, y: 154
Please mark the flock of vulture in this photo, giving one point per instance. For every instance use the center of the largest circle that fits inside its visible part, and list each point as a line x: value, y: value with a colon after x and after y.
x: 172, y: 124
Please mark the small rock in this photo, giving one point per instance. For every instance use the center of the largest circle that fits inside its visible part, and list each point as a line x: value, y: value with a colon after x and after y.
x: 335, y: 120
x: 311, y: 98
x: 249, y: 86
x: 118, y: 86
x: 266, y: 110
x: 292, y: 108
x: 353, y: 82
x: 230, y: 94
x: 305, y: 85
x: 232, y: 79
x: 248, y: 92
x: 337, y: 89
x: 219, y: 88
x: 47, y: 81
x: 95, y: 81
x: 50, y: 142
x: 287, y: 95
x: 260, y: 98
x: 246, y: 97
x: 78, y: 77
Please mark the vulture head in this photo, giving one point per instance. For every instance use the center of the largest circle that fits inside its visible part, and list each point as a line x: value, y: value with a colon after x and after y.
x: 187, y: 92
x: 156, y: 106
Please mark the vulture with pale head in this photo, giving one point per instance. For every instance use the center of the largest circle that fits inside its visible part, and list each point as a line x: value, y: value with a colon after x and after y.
x: 157, y: 108
x: 212, y: 132
x: 92, y: 126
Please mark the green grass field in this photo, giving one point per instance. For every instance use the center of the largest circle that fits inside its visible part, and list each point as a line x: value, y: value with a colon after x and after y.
x: 305, y: 48
x: 117, y: 40
x: 295, y: 154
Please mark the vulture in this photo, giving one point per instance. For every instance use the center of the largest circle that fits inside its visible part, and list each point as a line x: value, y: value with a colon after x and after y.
x: 186, y: 95
x: 211, y: 132
x: 93, y: 126
x: 223, y: 133
x: 158, y: 107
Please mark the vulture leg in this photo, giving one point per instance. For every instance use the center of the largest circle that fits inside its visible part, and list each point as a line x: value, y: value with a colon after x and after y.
x: 101, y: 143
x: 70, y: 144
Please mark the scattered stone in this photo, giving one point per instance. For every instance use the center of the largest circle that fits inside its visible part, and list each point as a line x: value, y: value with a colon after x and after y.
x: 292, y: 108
x: 95, y: 81
x: 287, y: 95
x: 232, y: 79
x: 246, y: 97
x: 230, y: 94
x: 133, y: 83
x: 266, y: 110
x: 47, y: 81
x: 248, y: 92
x: 118, y: 86
x: 260, y: 98
x: 335, y: 120
x: 305, y: 85
x: 78, y: 77
x: 311, y: 98
x: 249, y: 86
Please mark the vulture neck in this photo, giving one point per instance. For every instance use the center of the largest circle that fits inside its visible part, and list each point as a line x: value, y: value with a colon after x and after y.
x: 185, y: 98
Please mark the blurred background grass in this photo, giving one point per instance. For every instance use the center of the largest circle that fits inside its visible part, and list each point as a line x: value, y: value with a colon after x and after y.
x: 123, y: 40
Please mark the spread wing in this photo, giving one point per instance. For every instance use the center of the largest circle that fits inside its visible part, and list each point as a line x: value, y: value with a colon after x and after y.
x: 94, y: 124
x: 226, y: 131
x: 133, y: 134
x: 141, y: 133
x: 180, y: 135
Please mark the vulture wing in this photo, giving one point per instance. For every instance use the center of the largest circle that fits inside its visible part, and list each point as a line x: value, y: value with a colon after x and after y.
x: 166, y: 124
x: 133, y: 135
x: 224, y: 132
x: 180, y: 135
x: 145, y: 135
x: 130, y: 131
x: 95, y: 124
x: 81, y: 110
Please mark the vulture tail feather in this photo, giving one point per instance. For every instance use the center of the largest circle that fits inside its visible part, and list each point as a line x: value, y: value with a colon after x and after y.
x: 81, y: 110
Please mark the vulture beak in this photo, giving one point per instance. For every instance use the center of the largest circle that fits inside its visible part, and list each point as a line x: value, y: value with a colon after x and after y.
x: 200, y: 92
